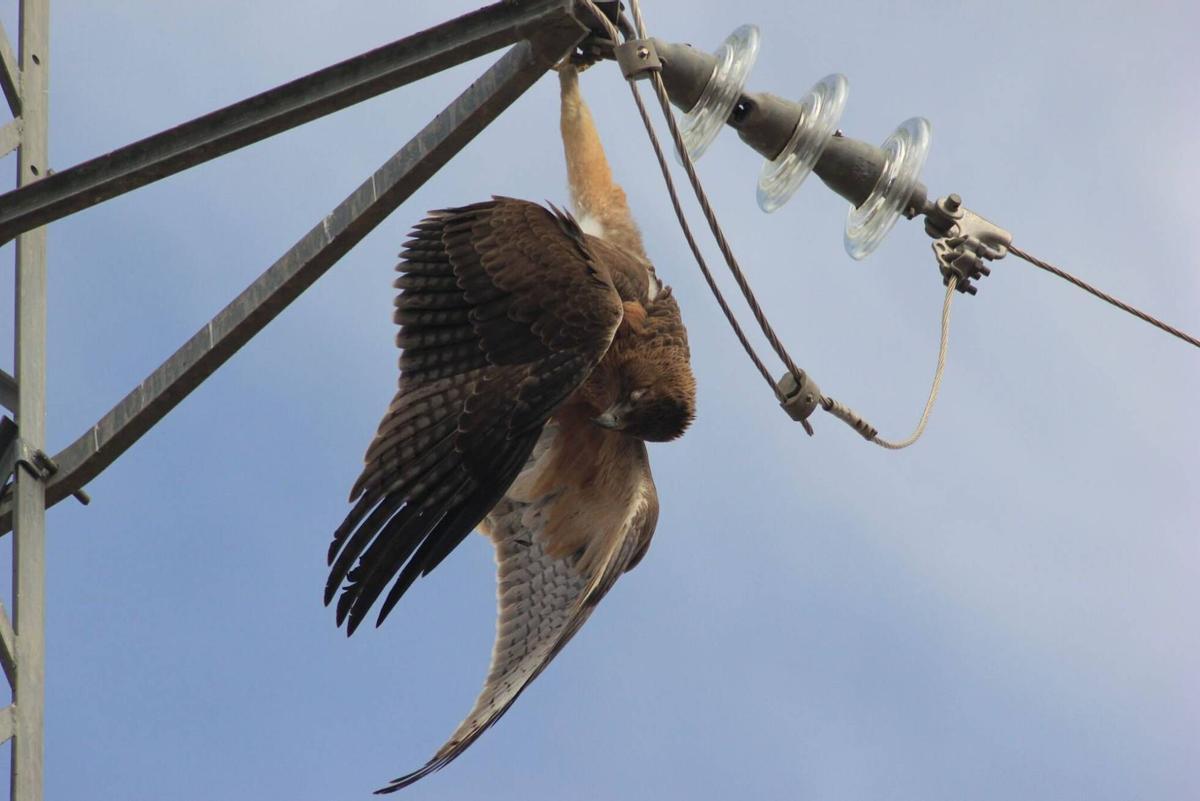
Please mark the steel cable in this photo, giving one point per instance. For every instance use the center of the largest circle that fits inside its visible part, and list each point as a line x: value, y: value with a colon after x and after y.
x: 678, y: 206
x: 1086, y: 287
x: 943, y: 347
x: 660, y: 90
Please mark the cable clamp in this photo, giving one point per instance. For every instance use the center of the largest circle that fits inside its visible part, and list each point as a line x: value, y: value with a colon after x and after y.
x: 799, y: 397
x: 962, y: 240
x: 638, y: 58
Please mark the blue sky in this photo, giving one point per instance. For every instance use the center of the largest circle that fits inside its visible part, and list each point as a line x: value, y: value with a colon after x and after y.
x: 1006, y: 610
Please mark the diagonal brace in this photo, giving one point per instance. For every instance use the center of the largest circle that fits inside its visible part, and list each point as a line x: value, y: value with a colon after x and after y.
x: 306, y: 261
x: 10, y: 449
x: 8, y: 723
x: 8, y: 647
x: 10, y: 75
x: 8, y: 391
x: 278, y: 109
x: 10, y: 137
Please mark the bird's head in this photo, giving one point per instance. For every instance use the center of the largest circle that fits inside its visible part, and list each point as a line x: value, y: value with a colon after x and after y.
x: 657, y: 401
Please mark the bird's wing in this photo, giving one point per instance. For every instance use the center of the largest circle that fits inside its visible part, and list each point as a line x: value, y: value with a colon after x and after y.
x: 544, y: 599
x: 503, y: 313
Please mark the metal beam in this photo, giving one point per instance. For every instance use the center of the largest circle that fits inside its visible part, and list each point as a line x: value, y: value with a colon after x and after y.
x: 278, y: 109
x: 29, y: 490
x: 10, y: 449
x: 10, y: 137
x: 7, y: 720
x: 10, y: 76
x: 8, y: 648
x: 8, y: 392
x: 307, y: 260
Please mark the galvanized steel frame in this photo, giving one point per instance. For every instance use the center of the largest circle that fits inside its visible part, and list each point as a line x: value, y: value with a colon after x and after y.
x: 22, y: 641
x: 540, y: 32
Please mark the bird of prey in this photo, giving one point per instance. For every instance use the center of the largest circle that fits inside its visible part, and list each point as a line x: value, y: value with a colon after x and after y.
x: 537, y: 360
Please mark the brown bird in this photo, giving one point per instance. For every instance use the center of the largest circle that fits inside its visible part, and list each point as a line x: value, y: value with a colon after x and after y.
x: 537, y: 360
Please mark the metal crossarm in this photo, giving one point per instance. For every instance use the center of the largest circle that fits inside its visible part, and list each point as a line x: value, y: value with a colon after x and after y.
x: 303, y: 263
x: 276, y: 110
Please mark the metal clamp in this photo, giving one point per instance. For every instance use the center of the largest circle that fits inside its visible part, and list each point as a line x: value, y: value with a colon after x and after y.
x: 962, y: 240
x: 19, y: 455
x: 637, y: 59
x: 16, y: 454
x: 799, y: 397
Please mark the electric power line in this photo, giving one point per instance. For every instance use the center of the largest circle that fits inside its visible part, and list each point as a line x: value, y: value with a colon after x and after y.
x: 1086, y: 287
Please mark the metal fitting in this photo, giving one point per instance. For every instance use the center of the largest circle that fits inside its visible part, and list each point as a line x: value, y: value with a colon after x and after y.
x: 766, y: 122
x: 852, y: 168
x: 956, y: 260
x: 686, y: 70
x: 799, y: 397
x: 962, y: 240
x: 16, y: 454
x: 638, y: 58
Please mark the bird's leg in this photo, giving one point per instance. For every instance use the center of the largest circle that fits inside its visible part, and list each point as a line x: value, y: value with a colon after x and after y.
x: 599, y: 202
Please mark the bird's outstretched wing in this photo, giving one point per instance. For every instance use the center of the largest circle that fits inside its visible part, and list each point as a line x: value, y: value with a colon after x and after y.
x: 544, y: 598
x: 503, y: 313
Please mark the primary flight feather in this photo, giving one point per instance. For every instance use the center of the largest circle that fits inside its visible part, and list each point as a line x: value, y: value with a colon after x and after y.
x: 537, y: 360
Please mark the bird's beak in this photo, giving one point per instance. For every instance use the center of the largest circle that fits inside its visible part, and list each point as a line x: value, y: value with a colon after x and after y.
x: 607, y: 420
x: 612, y: 418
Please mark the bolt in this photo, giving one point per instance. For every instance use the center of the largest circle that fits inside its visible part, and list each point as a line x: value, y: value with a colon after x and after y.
x: 643, y: 53
x: 953, y: 202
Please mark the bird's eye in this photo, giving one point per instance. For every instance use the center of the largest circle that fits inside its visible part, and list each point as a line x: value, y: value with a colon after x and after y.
x: 637, y: 394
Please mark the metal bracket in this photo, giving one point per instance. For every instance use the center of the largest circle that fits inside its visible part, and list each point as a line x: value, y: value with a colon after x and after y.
x: 598, y: 46
x: 19, y: 455
x: 8, y: 392
x: 10, y: 445
x: 637, y: 59
x: 16, y: 454
x: 799, y: 397
x: 962, y: 240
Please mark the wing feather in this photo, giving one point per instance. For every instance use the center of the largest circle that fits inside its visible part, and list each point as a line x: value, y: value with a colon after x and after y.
x: 503, y: 314
x: 543, y: 600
